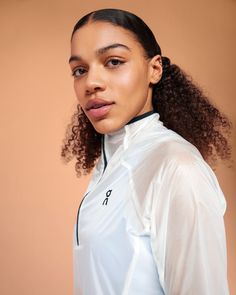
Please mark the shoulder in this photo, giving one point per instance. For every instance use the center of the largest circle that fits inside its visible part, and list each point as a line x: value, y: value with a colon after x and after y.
x: 168, y: 151
x: 187, y: 180
x: 179, y: 173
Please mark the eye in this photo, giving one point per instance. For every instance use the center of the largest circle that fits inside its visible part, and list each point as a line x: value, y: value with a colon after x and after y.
x: 114, y: 62
x: 77, y: 72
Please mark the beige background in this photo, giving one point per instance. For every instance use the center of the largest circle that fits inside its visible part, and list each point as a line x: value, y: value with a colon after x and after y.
x: 40, y: 195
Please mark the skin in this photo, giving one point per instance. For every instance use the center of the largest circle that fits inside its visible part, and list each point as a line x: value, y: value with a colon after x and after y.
x: 109, y: 64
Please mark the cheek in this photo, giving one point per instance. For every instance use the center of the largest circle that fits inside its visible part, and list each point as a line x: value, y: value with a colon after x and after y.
x: 129, y: 79
x: 133, y: 82
x: 78, y: 91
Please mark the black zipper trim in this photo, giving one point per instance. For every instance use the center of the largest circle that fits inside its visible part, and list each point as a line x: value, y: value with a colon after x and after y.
x: 104, y: 153
x: 77, y: 221
x: 141, y: 117
x: 77, y: 218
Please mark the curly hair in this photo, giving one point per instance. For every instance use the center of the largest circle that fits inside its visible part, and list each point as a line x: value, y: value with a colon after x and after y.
x: 181, y: 104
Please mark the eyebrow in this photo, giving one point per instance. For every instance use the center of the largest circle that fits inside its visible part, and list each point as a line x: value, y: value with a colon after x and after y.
x: 100, y: 51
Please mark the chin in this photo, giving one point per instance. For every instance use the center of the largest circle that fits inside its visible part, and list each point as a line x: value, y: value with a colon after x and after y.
x: 106, y: 126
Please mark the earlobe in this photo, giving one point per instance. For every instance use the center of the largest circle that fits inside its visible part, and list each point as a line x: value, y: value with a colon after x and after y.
x: 155, y: 69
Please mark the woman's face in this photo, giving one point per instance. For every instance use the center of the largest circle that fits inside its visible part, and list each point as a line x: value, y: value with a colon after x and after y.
x: 112, y: 78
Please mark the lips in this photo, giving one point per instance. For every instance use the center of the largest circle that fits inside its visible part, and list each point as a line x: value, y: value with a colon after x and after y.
x: 98, y: 108
x: 97, y: 103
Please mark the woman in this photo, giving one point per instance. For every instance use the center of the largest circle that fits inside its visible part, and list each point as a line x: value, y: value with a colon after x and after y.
x: 151, y: 221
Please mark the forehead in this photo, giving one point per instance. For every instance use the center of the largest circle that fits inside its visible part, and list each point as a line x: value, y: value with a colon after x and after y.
x: 95, y: 35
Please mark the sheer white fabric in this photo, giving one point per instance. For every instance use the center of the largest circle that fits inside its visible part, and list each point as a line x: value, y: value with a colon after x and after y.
x: 162, y: 229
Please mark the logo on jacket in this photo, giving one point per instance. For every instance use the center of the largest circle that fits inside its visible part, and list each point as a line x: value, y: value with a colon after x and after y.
x: 108, y: 193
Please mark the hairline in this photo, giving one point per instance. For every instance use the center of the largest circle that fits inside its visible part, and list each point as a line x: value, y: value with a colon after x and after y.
x: 90, y: 20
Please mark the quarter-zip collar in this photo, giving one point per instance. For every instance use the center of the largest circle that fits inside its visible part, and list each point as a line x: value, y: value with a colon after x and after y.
x: 120, y: 138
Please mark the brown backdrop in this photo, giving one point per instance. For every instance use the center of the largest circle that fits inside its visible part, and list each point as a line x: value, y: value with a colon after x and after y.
x: 40, y: 195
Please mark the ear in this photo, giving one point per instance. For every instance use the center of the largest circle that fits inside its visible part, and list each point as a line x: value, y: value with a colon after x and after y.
x: 155, y: 69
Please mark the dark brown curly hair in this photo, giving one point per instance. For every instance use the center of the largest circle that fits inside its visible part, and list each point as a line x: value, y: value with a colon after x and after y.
x: 182, y: 106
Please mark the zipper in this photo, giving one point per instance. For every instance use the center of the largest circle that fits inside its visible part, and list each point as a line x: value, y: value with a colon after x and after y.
x: 77, y: 221
x: 77, y: 218
x: 104, y: 156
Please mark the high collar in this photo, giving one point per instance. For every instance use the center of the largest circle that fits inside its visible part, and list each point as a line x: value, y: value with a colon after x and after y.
x: 112, y: 141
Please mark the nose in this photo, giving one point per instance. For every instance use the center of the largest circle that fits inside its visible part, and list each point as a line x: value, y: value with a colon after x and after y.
x: 94, y: 81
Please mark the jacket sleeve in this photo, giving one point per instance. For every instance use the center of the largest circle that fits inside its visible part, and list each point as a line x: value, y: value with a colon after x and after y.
x: 187, y: 230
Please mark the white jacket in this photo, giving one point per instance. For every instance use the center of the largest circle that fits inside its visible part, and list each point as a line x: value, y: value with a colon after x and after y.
x: 151, y: 222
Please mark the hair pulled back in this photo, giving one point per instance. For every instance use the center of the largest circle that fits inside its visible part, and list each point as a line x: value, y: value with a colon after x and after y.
x: 182, y: 106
